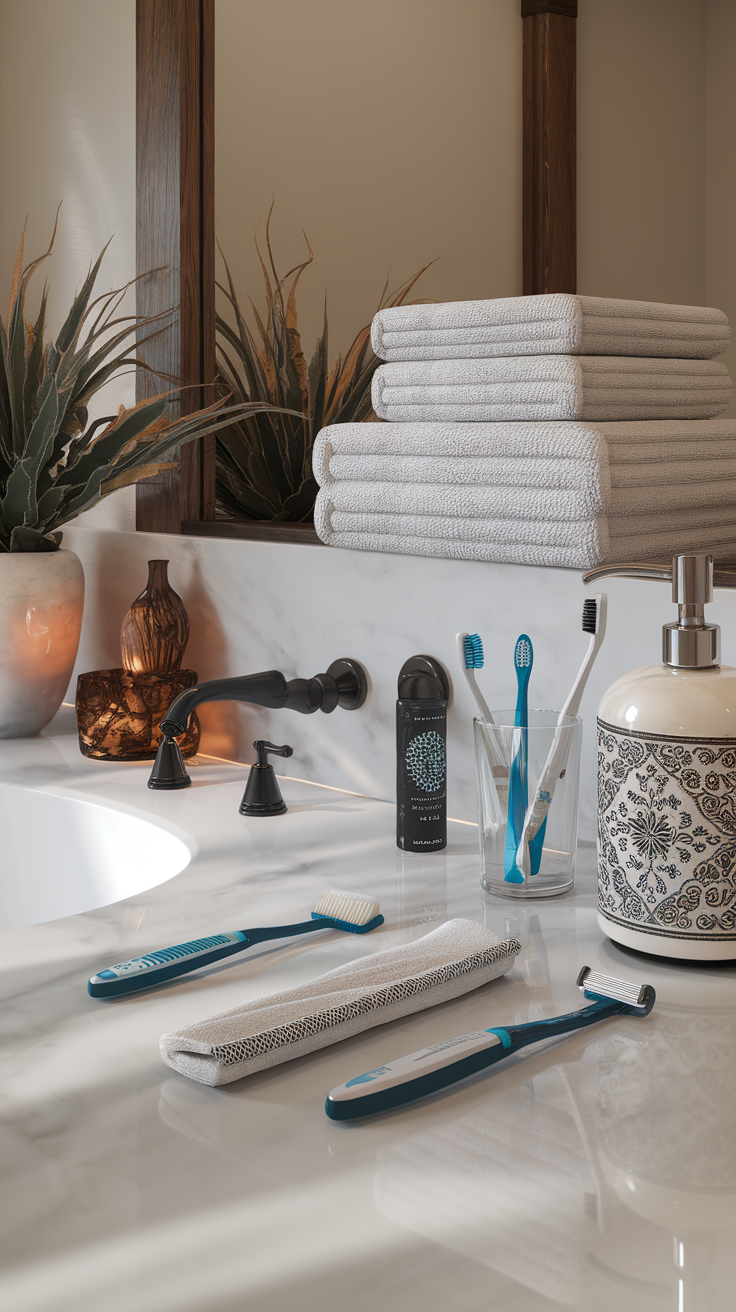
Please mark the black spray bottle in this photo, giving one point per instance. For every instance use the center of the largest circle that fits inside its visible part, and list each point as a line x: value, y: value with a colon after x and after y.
x: 421, y: 773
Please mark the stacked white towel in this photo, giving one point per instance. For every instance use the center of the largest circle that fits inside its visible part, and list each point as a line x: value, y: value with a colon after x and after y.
x: 511, y: 440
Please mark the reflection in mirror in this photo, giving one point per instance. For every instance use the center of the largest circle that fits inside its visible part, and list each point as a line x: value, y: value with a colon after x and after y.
x: 361, y: 153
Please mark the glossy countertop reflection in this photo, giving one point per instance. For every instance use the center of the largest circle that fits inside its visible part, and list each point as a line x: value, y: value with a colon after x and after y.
x: 598, y: 1173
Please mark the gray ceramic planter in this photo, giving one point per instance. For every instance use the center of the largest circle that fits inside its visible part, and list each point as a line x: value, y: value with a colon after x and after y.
x: 41, y: 601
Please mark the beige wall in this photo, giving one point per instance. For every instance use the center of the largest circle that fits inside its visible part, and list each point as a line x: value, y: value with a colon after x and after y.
x: 391, y: 133
x: 67, y: 133
x: 641, y: 157
x: 720, y: 163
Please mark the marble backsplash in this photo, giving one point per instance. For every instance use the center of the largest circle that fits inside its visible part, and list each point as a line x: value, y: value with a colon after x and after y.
x: 260, y: 605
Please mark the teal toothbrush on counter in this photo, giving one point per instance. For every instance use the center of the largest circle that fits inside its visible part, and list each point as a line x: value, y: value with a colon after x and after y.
x: 335, y: 910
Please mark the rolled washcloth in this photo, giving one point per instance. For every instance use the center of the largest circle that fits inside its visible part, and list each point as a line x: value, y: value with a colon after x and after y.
x: 550, y: 387
x: 557, y: 324
x: 459, y: 956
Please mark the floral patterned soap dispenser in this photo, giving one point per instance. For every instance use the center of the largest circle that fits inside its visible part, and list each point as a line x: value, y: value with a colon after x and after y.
x: 667, y: 784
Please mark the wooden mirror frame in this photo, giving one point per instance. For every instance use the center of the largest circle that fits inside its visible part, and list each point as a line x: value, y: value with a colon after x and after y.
x: 175, y: 220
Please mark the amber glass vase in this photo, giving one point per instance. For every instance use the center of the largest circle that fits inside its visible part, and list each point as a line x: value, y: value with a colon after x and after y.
x: 155, y: 630
x: 119, y: 711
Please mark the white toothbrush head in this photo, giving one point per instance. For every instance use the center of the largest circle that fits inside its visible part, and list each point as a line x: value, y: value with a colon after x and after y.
x: 351, y: 911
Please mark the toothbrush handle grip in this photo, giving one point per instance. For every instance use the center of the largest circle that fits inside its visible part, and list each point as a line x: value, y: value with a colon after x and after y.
x: 548, y: 780
x: 164, y: 964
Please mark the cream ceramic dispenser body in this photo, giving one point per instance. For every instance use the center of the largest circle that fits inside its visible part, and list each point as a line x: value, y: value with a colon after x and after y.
x: 667, y: 785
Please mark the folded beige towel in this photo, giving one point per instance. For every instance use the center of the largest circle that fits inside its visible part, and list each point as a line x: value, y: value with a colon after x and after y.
x: 459, y: 956
x: 557, y: 324
x: 550, y: 387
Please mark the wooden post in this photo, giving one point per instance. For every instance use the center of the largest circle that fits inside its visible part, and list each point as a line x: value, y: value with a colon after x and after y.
x: 549, y: 180
x: 175, y: 235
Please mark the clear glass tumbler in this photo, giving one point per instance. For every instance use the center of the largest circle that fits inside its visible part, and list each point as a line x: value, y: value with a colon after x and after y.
x: 514, y: 769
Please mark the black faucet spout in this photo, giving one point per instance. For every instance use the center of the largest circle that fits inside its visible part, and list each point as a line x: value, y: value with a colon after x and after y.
x: 344, y: 684
x: 269, y: 688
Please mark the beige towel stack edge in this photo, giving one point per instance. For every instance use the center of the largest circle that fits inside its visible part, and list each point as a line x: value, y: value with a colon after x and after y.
x: 511, y: 439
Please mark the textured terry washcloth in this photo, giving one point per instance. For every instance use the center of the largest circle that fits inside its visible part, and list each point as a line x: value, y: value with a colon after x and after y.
x: 557, y: 324
x: 459, y: 956
x: 550, y: 387
x: 566, y: 544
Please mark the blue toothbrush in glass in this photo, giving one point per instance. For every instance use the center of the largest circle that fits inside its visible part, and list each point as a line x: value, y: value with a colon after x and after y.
x: 518, y: 787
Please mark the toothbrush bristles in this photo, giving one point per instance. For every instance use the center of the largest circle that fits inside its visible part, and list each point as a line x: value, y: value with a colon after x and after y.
x: 473, y: 648
x: 590, y: 615
x: 347, y: 907
x: 523, y: 653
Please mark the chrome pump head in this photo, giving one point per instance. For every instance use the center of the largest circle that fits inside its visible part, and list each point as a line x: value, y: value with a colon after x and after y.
x: 690, y: 644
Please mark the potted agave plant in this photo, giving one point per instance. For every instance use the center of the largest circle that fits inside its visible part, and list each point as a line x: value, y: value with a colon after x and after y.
x: 55, y: 463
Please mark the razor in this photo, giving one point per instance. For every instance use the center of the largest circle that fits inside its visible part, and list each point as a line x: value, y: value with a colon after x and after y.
x: 446, y: 1063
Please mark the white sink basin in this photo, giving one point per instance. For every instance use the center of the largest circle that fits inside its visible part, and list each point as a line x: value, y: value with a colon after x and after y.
x: 61, y: 855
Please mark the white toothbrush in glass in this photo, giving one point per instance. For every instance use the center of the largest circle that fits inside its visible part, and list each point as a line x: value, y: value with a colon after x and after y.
x: 470, y: 656
x: 594, y: 623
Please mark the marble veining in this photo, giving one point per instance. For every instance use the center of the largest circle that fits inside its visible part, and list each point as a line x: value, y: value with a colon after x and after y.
x: 265, y: 605
x: 596, y: 1173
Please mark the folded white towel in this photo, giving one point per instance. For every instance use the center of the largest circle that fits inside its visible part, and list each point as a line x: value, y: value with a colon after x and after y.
x: 557, y: 324
x: 571, y: 544
x: 468, y: 501
x: 459, y: 956
x: 627, y: 441
x: 525, y: 472
x: 505, y: 501
x: 510, y: 471
x: 550, y: 387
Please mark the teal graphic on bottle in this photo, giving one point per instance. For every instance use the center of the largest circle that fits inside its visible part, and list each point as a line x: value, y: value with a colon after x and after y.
x: 421, y: 768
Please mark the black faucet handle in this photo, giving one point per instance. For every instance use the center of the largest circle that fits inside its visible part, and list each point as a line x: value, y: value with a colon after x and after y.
x: 262, y: 794
x: 169, y: 770
x: 264, y: 750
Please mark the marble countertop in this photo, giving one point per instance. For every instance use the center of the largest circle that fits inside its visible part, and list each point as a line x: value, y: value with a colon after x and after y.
x: 596, y: 1173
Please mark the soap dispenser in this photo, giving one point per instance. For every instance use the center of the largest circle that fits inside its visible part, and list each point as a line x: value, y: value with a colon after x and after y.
x: 667, y: 784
